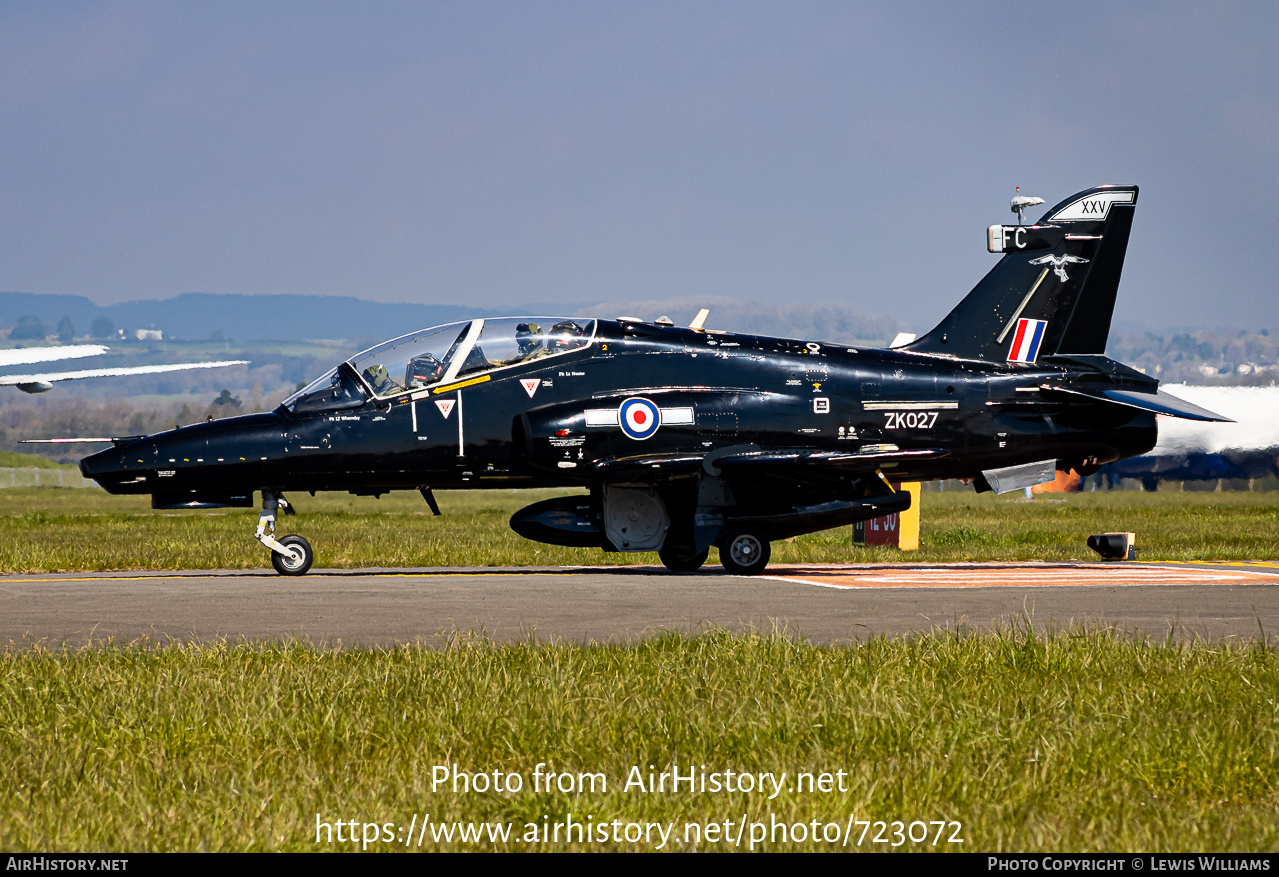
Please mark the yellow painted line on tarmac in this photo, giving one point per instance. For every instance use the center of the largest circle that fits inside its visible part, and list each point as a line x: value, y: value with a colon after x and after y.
x: 453, y: 575
x: 18, y: 581
x: 345, y: 575
x: 958, y: 575
x: 1269, y: 564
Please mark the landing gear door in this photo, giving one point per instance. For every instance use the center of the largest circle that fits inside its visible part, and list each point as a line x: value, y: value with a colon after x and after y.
x: 635, y: 518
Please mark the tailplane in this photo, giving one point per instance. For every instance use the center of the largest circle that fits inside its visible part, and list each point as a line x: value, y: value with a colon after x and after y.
x: 1054, y: 290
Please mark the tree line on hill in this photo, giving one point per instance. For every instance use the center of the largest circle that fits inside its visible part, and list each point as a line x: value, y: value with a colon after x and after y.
x: 1248, y: 357
x: 1244, y: 356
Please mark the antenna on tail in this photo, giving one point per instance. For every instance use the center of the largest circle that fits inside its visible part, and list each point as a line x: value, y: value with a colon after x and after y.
x: 1021, y: 202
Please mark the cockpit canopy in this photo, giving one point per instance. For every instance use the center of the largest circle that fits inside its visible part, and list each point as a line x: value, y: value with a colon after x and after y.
x: 441, y: 354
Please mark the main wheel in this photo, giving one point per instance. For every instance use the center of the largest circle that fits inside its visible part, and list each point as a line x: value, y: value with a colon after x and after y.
x: 744, y: 552
x: 681, y: 561
x: 287, y: 566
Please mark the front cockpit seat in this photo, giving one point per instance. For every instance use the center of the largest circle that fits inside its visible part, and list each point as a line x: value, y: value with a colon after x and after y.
x: 475, y: 361
x: 423, y: 370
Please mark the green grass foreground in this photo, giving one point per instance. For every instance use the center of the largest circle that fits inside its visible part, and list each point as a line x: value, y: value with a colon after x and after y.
x: 48, y: 529
x: 1060, y: 743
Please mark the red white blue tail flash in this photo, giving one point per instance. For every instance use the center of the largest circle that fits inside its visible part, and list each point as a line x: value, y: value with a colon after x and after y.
x: 1026, y: 341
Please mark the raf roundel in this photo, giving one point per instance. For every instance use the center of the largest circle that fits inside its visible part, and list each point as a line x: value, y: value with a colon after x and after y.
x: 639, y: 418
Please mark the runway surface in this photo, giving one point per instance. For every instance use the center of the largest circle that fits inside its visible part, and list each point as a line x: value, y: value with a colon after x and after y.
x: 823, y: 603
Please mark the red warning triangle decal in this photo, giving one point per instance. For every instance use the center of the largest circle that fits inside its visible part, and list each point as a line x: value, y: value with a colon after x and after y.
x: 445, y: 406
x: 530, y: 385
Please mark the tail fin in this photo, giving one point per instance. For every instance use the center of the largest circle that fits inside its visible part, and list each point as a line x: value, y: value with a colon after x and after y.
x: 1054, y: 291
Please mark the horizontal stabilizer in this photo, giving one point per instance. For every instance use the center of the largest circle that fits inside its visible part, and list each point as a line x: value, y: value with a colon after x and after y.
x: 1159, y: 402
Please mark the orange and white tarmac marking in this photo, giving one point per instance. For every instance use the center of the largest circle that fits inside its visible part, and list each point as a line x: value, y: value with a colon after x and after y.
x: 1025, y: 575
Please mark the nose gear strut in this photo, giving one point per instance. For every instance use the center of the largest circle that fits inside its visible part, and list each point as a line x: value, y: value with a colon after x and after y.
x: 292, y: 555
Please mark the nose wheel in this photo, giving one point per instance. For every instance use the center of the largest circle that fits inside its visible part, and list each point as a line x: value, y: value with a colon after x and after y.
x: 296, y: 563
x: 292, y: 555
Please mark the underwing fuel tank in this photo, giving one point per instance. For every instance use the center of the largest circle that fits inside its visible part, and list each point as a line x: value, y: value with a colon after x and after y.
x: 565, y: 520
x: 580, y: 522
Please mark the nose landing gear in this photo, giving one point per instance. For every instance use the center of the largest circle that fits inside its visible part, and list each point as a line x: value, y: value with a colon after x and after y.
x: 292, y: 555
x: 300, y: 562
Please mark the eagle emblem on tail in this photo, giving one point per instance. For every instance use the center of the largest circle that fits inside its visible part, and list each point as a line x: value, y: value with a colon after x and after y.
x: 1059, y: 264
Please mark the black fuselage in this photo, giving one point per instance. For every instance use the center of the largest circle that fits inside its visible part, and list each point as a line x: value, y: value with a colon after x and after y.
x: 527, y: 425
x: 688, y: 439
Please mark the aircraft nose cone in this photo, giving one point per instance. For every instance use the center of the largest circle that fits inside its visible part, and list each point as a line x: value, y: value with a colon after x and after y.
x: 87, y: 468
x: 109, y: 468
x: 204, y: 455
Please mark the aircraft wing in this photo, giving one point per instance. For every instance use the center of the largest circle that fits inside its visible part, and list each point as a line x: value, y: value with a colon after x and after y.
x: 652, y: 467
x: 29, y: 355
x: 749, y: 458
x: 868, y: 459
x: 40, y: 383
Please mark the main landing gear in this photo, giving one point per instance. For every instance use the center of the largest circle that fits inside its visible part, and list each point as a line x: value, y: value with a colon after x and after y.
x: 292, y: 555
x: 680, y: 560
x: 744, y: 551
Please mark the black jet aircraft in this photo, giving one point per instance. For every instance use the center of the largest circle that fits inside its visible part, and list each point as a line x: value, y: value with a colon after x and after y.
x: 691, y: 438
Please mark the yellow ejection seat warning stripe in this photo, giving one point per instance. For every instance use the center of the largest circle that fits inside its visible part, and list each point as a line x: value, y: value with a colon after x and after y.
x: 451, y: 387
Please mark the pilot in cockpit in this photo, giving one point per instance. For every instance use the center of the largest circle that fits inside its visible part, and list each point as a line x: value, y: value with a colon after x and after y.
x: 380, y: 381
x: 566, y: 335
x: 530, y: 343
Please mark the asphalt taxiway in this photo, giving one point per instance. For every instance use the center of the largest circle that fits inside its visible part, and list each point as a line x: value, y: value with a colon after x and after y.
x: 822, y: 603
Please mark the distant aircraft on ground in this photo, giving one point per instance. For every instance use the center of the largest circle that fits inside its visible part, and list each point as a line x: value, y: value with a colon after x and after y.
x: 1205, y: 451
x: 688, y: 438
x: 41, y: 383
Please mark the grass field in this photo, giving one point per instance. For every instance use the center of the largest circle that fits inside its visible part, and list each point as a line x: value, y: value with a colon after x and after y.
x: 62, y: 530
x: 1064, y: 743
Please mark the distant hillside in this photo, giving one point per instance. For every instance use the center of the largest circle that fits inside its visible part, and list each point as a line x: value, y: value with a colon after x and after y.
x: 197, y: 316
x: 1216, y: 356
x: 49, y: 308
x: 825, y: 321
x: 200, y: 316
x: 1202, y: 356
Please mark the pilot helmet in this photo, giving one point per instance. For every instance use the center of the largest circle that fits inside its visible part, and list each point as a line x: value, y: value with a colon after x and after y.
x: 424, y: 369
x: 528, y: 337
x: 565, y: 334
x: 379, y: 379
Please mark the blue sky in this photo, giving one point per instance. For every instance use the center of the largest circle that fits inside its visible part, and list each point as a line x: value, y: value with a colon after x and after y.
x: 498, y: 153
